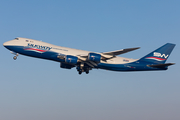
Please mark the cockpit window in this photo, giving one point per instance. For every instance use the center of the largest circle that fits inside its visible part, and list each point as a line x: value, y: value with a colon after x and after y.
x: 17, y: 38
x: 27, y: 40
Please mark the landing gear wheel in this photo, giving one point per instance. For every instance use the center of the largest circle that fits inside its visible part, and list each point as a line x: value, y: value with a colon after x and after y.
x: 87, y: 72
x: 15, y: 57
x: 80, y: 72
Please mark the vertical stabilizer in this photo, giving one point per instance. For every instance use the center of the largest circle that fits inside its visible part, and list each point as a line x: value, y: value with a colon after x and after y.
x: 160, y: 55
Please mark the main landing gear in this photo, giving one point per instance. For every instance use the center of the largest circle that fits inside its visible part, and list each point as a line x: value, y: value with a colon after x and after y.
x: 81, y: 71
x: 81, y: 68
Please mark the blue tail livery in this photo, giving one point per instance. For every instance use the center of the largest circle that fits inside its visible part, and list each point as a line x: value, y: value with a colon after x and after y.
x: 84, y: 61
x: 160, y: 55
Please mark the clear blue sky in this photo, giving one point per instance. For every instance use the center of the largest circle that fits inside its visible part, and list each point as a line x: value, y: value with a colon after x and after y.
x: 32, y: 89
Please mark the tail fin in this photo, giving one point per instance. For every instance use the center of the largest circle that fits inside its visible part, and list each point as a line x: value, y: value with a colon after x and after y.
x: 160, y: 55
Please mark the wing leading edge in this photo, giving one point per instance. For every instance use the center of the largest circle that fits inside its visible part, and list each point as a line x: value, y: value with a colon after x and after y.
x: 118, y: 52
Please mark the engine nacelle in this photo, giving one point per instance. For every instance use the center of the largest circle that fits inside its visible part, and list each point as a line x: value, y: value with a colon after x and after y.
x: 66, y: 66
x: 71, y: 59
x: 94, y: 57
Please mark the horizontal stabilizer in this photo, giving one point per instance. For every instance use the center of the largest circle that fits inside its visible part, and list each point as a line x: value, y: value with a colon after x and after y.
x: 118, y: 52
x: 161, y: 65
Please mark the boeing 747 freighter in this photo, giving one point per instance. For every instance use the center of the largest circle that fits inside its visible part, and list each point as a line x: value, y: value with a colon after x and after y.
x: 86, y: 60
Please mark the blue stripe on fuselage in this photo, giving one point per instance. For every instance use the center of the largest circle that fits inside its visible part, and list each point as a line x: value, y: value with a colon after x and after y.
x: 49, y: 55
x: 134, y: 66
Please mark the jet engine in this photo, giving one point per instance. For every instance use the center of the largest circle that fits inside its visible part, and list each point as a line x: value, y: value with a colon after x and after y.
x: 94, y: 57
x: 69, y: 59
x: 67, y: 66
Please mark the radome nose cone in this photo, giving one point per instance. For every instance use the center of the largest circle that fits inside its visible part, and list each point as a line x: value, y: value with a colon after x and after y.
x: 7, y: 43
x: 4, y: 44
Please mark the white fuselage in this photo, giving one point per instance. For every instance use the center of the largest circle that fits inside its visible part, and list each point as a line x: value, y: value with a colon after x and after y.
x: 64, y: 50
x: 86, y: 60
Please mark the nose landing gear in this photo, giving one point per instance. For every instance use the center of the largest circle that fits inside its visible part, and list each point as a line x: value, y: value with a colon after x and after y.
x: 15, y: 57
x: 16, y: 54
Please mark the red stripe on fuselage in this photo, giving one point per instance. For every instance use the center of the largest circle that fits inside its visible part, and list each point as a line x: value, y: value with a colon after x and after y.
x: 36, y: 49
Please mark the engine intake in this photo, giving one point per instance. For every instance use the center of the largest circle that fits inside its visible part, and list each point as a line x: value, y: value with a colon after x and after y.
x: 94, y: 57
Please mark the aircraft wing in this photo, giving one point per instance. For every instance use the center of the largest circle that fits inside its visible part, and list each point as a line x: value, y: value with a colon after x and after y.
x: 83, y: 59
x: 118, y: 52
x: 112, y: 53
x: 105, y: 56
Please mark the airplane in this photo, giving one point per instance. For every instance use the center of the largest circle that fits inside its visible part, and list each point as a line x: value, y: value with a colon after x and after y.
x: 86, y: 60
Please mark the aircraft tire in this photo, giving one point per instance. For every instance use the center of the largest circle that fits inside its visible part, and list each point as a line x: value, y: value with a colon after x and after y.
x: 87, y: 72
x: 14, y: 57
x: 80, y: 72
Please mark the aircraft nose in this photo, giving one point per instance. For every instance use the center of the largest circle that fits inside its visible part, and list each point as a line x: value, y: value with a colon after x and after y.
x: 7, y: 43
x: 4, y: 44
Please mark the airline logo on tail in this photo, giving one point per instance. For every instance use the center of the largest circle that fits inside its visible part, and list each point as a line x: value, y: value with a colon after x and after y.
x: 158, y: 56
